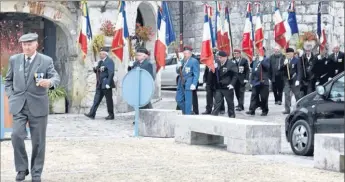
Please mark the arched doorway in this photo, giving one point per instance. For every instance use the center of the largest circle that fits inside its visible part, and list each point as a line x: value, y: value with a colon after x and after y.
x: 52, y: 40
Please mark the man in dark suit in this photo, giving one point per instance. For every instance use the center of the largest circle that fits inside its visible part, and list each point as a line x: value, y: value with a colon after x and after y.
x: 227, y: 71
x: 242, y: 78
x: 29, y: 76
x: 143, y: 61
x: 309, y: 71
x: 260, y: 85
x: 276, y: 60
x: 210, y: 80
x: 337, y: 61
x: 324, y: 66
x: 291, y: 70
x: 104, y: 70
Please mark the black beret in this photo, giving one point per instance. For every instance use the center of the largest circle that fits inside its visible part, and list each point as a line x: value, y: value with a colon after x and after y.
x: 222, y: 54
x: 104, y: 49
x: 289, y: 50
x: 143, y: 50
x: 189, y: 48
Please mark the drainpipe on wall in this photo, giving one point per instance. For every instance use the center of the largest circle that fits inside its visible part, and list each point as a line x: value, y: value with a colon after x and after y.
x: 181, y: 25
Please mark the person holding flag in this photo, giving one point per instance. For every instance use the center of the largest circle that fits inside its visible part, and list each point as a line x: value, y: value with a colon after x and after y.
x: 189, y: 70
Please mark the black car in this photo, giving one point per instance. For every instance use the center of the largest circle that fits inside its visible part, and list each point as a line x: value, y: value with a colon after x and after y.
x: 319, y: 112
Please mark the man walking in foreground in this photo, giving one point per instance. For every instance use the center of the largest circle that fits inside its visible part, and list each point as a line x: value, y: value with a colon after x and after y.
x: 104, y: 70
x: 30, y: 75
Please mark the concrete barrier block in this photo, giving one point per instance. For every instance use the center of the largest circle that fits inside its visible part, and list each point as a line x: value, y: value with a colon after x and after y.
x: 157, y: 122
x: 329, y: 152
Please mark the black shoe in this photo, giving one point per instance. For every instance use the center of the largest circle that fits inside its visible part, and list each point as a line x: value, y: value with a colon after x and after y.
x: 206, y: 112
x: 133, y: 122
x: 232, y: 116
x: 21, y: 175
x: 222, y: 112
x: 286, y: 112
x: 276, y: 102
x: 279, y: 102
x: 264, y: 114
x: 250, y: 113
x: 89, y: 116
x: 110, y: 117
x: 36, y: 179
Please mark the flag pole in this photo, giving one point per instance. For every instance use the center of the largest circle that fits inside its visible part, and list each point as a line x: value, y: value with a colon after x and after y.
x: 230, y: 34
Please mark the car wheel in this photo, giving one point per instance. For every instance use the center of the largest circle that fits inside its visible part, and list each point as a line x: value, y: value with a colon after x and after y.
x: 301, y: 138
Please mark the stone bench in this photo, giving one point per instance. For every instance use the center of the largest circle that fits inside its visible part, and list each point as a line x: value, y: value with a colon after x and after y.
x: 241, y: 136
x: 157, y: 122
x: 329, y: 151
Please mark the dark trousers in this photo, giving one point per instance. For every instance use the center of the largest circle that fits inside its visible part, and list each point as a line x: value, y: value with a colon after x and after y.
x: 38, y: 127
x: 288, y: 88
x: 195, y: 102
x: 307, y: 87
x: 277, y: 88
x: 229, y: 97
x: 259, y: 98
x: 210, y: 95
x: 239, y: 91
x: 100, y: 93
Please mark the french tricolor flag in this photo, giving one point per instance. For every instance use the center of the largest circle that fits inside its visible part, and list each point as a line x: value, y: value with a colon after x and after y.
x: 85, y: 34
x: 206, y: 56
x: 247, y: 39
x: 166, y: 34
x: 120, y: 33
x: 219, y: 31
x: 279, y: 28
x: 259, y: 33
x: 227, y: 40
x: 290, y: 23
x: 321, y: 32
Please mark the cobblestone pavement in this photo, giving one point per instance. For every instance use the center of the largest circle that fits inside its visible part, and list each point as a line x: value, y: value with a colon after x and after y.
x: 82, y: 150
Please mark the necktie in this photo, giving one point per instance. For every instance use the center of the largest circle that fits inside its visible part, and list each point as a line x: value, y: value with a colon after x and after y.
x: 27, y: 67
x: 336, y: 57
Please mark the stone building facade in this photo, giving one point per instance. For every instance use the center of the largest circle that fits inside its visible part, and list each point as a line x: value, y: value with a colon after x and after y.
x: 306, y: 14
x: 77, y: 75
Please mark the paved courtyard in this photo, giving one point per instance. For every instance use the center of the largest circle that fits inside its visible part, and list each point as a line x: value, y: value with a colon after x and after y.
x: 82, y: 150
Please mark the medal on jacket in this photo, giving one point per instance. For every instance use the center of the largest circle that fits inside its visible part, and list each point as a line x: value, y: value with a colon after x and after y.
x: 240, y: 69
x: 38, y: 77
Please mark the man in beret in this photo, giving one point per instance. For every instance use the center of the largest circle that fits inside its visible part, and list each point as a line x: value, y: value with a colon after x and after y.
x: 291, y: 70
x: 260, y: 85
x: 30, y: 75
x: 227, y: 71
x: 242, y: 78
x: 143, y: 61
x: 104, y: 70
x: 189, y: 70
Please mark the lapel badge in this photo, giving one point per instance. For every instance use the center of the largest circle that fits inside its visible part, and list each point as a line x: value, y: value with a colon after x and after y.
x: 187, y: 69
x: 340, y: 60
x: 225, y: 69
x: 292, y: 66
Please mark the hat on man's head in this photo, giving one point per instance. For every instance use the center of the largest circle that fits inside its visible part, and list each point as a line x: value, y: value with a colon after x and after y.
x: 237, y: 50
x: 143, y: 50
x: 28, y: 37
x: 104, y: 49
x: 289, y: 50
x: 222, y: 54
x: 187, y: 48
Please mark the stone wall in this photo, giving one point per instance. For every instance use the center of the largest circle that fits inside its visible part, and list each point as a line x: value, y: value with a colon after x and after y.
x: 306, y: 11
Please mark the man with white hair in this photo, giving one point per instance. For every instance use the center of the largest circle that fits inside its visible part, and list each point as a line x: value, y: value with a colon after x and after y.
x: 104, y: 70
x: 309, y: 70
x: 337, y: 61
x: 275, y: 74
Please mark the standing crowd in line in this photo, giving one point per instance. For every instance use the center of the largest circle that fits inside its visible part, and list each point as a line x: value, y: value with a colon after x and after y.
x: 296, y: 72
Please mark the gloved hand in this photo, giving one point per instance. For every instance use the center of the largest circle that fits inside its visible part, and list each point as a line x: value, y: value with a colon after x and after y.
x: 245, y: 81
x: 215, y: 65
x: 336, y: 71
x: 317, y: 83
x: 230, y: 87
x: 192, y: 87
x: 95, y: 64
x: 300, y: 52
x: 286, y: 61
x: 319, y: 57
x: 330, y: 78
x: 107, y: 86
x: 102, y: 68
x: 130, y: 63
x: 297, y: 83
x: 204, y: 85
x: 179, y: 64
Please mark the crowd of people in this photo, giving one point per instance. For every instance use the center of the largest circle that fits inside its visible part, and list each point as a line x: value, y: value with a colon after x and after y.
x: 293, y: 72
